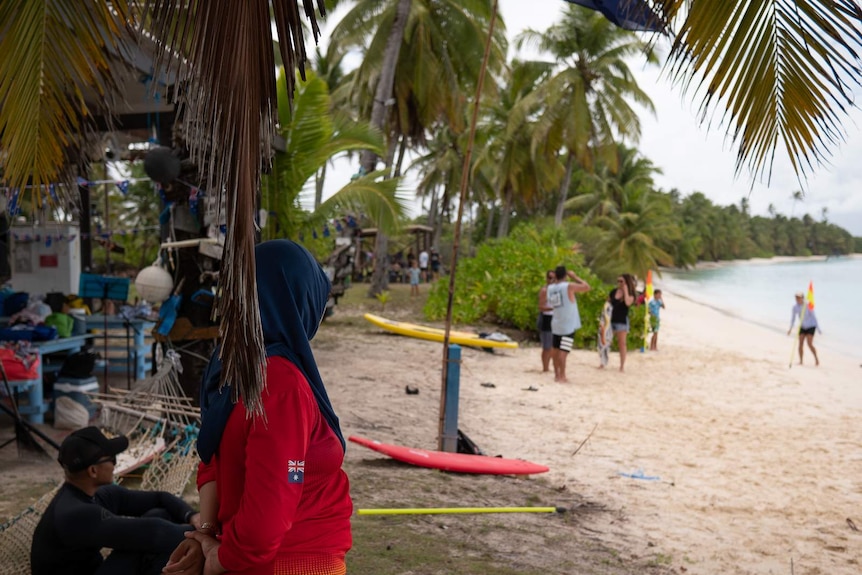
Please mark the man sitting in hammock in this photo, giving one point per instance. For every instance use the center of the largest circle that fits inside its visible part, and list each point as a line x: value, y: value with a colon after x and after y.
x: 90, y: 513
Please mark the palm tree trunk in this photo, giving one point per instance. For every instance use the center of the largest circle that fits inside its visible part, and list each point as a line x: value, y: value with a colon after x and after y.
x: 564, y: 189
x: 380, y: 276
x: 390, y: 155
x: 441, y: 212
x: 400, y: 162
x: 319, y: 178
x: 505, y: 213
x: 489, y: 224
x: 433, y: 208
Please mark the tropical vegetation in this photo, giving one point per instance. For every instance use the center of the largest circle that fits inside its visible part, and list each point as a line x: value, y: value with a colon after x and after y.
x: 556, y: 137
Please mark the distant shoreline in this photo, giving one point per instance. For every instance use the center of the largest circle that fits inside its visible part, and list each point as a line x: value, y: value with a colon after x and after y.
x: 704, y: 265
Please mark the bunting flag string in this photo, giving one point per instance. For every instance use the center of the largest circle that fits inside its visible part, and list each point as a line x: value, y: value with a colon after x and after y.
x: 326, y: 231
x: 123, y: 185
x: 50, y: 238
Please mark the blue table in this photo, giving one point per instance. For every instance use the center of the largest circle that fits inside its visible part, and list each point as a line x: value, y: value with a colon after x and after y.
x: 35, y: 411
x: 138, y: 348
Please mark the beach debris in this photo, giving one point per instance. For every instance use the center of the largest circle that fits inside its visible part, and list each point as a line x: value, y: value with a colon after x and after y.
x: 411, y: 390
x: 852, y: 525
x: 575, y: 452
x: 487, y: 384
x: 639, y: 474
x: 531, y: 388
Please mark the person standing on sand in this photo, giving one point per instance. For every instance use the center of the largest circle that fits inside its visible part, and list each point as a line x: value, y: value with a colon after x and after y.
x: 423, y: 264
x: 655, y: 307
x: 807, y: 325
x: 414, y: 278
x: 546, y: 314
x: 435, y: 264
x: 622, y: 298
x: 566, y: 319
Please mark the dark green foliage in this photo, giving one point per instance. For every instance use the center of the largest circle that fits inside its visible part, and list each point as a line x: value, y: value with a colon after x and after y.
x: 501, y: 283
x: 730, y: 232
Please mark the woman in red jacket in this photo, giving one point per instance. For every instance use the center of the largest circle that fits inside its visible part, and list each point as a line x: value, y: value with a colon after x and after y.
x: 274, y: 499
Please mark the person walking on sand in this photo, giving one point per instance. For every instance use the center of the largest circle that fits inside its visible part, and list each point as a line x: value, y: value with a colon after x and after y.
x: 655, y: 307
x: 807, y: 325
x: 546, y: 314
x: 566, y: 319
x: 622, y: 298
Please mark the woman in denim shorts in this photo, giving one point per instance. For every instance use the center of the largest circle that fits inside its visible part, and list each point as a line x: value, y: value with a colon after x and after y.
x: 622, y: 297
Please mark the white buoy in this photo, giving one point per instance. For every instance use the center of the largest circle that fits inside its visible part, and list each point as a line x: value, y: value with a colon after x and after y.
x: 154, y: 284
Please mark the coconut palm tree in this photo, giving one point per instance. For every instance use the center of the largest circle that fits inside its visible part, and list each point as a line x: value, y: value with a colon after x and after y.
x: 314, y: 134
x: 518, y: 171
x: 607, y: 188
x: 632, y: 238
x: 440, y: 173
x: 797, y: 196
x: 586, y: 103
x: 432, y: 63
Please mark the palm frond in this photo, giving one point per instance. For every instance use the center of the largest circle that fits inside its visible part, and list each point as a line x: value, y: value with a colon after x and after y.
x: 779, y: 73
x: 379, y: 200
x: 55, y: 76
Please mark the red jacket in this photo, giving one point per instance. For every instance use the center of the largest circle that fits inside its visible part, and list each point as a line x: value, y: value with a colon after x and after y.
x: 281, y: 490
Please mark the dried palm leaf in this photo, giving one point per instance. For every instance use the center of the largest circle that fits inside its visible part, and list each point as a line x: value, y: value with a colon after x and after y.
x: 230, y: 104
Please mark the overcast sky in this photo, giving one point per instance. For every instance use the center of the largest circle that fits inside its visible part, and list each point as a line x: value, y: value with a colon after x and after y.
x: 695, y: 158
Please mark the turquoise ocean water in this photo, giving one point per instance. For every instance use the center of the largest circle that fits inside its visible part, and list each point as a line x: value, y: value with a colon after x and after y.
x: 763, y: 293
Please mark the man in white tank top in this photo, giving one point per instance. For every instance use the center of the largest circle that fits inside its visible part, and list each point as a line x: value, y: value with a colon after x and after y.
x: 566, y: 319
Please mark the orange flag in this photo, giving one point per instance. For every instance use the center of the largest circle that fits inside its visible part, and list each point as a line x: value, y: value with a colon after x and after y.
x: 810, y: 296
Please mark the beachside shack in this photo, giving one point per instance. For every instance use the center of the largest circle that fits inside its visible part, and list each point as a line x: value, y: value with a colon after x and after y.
x: 414, y: 238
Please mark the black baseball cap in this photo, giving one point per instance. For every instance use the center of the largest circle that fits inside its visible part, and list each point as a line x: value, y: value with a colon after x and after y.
x: 86, y: 446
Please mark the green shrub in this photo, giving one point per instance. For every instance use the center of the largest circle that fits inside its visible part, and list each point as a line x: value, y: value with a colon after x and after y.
x: 501, y: 283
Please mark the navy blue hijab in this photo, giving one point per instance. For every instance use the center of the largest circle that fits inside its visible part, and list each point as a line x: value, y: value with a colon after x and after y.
x: 292, y: 290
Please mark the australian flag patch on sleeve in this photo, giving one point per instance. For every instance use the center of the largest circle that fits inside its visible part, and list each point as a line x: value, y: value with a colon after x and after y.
x: 295, y: 471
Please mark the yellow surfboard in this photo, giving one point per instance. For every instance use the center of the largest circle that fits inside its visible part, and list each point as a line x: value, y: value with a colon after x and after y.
x: 434, y: 334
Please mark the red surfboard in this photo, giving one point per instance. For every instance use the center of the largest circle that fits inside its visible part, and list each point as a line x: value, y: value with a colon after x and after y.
x: 455, y: 462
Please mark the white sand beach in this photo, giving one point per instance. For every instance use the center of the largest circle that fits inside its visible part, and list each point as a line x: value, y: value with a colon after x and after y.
x: 759, y: 466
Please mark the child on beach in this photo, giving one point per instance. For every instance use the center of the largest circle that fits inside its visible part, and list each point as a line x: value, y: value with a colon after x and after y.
x: 414, y: 279
x: 655, y: 307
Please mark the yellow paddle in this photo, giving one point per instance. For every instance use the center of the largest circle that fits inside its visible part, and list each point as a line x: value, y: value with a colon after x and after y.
x: 452, y: 510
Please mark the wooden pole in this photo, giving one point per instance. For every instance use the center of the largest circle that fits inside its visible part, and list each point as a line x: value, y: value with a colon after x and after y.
x: 465, y: 175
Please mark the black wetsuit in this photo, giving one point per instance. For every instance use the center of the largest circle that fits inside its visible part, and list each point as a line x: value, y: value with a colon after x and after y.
x: 142, y: 528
